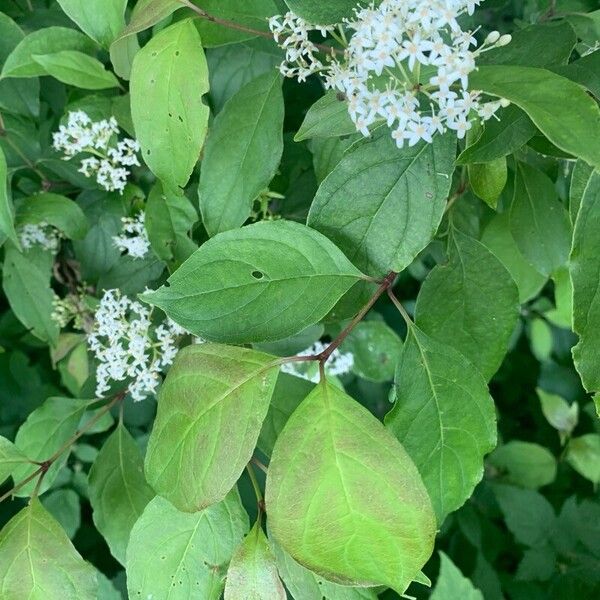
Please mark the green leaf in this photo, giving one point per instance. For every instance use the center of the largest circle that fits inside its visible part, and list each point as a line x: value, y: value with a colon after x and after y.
x: 499, y: 137
x: 539, y: 45
x: 257, y: 284
x: 480, y: 306
x: 329, y: 524
x: 27, y: 288
x: 48, y: 40
x: 327, y: 154
x: 327, y: 117
x: 538, y: 564
x: 488, y: 180
x: 168, y: 79
x: 375, y: 348
x: 183, y: 556
x: 7, y: 226
x: 585, y: 71
x: 538, y: 221
x: 37, y: 560
x: 101, y: 21
x: 529, y: 516
x: 584, y: 180
x: 10, y: 456
x: 44, y: 432
x: 169, y: 219
x: 444, y: 417
x: 65, y: 507
x: 562, y: 314
x: 147, y: 13
x: 382, y: 205
x: 524, y: 464
x: 242, y: 153
x: 562, y: 416
x: 498, y: 239
x: 210, y: 411
x: 252, y: 14
x: 77, y: 69
x: 253, y: 572
x: 305, y: 584
x: 583, y: 266
x: 59, y: 211
x: 322, y: 13
x: 583, y: 454
x: 561, y: 109
x: 452, y: 584
x: 118, y: 490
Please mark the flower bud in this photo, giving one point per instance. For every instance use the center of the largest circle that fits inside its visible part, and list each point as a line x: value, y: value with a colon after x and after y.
x: 504, y: 40
x: 504, y: 102
x: 492, y: 37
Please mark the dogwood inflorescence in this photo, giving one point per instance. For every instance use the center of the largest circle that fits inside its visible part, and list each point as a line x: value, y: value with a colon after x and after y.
x: 128, y: 346
x: 133, y: 239
x: 110, y: 157
x: 407, y: 63
x: 39, y: 234
x: 339, y: 363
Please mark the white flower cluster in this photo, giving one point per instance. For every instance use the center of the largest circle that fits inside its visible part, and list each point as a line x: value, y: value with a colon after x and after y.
x: 407, y: 64
x: 291, y: 32
x: 129, y: 347
x: 339, y: 363
x: 134, y: 238
x: 108, y: 161
x: 73, y: 307
x: 40, y: 234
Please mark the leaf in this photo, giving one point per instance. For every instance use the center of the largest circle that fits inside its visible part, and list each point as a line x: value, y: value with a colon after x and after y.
x: 169, y: 219
x: 538, y: 564
x: 562, y: 416
x: 375, y: 348
x: 210, y: 411
x: 488, y: 180
x: 118, y: 490
x: 529, y: 516
x: 27, y: 288
x: 251, y: 14
x: 147, y: 13
x: 65, y: 507
x: 242, y: 153
x: 44, y: 432
x: 256, y: 284
x: 49, y: 40
x: 329, y: 524
x: 305, y: 584
x: 253, y: 572
x: 76, y: 69
x: 382, y: 205
x: 327, y: 117
x: 524, y: 464
x: 538, y: 221
x: 183, y: 556
x: 7, y: 226
x: 561, y: 109
x: 10, y: 456
x: 322, y: 13
x: 499, y: 137
x: 584, y: 70
x: 498, y: 239
x: 53, y: 209
x: 101, y: 22
x: 37, y: 560
x: 480, y: 306
x: 583, y: 454
x: 168, y: 79
x: 584, y: 180
x: 452, y: 584
x: 444, y: 417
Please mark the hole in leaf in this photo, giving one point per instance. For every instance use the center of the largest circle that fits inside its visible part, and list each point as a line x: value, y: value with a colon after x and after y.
x: 258, y: 274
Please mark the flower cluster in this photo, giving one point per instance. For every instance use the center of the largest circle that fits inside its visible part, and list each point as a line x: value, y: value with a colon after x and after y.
x: 108, y: 161
x: 292, y: 32
x: 133, y: 239
x: 40, y: 234
x: 129, y: 347
x: 339, y: 363
x: 407, y: 64
x: 73, y: 307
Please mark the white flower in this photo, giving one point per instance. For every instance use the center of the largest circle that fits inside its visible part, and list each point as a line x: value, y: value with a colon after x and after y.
x: 128, y: 347
x: 39, y: 234
x: 339, y: 363
x: 134, y: 238
x: 108, y: 161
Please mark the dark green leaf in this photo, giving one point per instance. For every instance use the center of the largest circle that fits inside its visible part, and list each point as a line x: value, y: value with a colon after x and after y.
x: 327, y: 117
x: 65, y: 507
x: 524, y: 464
x: 10, y: 457
x: 322, y: 13
x: 7, y: 226
x: 488, y: 180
